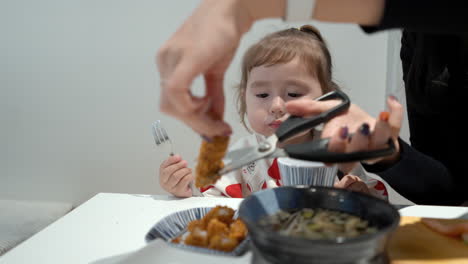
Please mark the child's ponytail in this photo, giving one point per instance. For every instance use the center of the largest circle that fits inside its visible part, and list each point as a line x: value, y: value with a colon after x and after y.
x: 313, y: 31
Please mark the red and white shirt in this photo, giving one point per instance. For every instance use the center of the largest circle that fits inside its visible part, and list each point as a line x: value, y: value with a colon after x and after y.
x: 258, y: 175
x: 264, y: 174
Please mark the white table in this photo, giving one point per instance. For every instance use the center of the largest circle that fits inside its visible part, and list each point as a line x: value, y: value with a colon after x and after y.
x: 110, y: 228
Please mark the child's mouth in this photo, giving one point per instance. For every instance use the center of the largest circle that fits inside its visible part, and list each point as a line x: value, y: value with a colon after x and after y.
x: 275, y: 124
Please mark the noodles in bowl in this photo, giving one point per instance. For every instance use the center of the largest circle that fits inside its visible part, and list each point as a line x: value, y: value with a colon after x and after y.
x: 317, y: 224
x: 276, y: 219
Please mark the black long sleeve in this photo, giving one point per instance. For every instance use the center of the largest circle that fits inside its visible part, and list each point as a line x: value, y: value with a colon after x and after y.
x: 430, y: 16
x: 419, y: 178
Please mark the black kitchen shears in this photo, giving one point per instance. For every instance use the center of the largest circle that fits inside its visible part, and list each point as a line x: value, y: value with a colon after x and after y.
x: 315, y: 150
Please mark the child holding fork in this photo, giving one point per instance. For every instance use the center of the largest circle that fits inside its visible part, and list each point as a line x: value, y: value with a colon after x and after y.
x: 283, y: 66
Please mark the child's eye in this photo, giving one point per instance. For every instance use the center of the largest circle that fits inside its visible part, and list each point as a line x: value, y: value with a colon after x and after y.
x: 262, y: 95
x: 294, y: 94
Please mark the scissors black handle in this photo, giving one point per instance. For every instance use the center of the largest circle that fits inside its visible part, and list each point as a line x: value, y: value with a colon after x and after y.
x: 317, y: 150
x: 295, y: 124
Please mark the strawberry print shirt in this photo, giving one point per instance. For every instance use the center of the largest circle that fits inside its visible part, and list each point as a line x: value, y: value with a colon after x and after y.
x: 258, y: 175
x: 264, y: 174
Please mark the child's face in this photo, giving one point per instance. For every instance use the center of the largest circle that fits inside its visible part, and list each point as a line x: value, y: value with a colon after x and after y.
x: 270, y: 87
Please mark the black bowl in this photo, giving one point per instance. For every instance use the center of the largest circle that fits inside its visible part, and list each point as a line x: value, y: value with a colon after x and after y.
x: 276, y: 248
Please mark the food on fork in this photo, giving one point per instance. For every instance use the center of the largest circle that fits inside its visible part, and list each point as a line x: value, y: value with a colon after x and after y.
x: 216, y: 230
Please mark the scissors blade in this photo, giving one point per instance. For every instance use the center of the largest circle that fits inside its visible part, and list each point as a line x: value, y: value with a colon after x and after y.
x: 238, y: 153
x: 246, y: 156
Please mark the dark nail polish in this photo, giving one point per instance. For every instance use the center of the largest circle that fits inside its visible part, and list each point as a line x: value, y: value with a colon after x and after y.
x: 344, y: 132
x: 227, y: 133
x: 207, y: 139
x: 365, y: 129
x: 393, y: 98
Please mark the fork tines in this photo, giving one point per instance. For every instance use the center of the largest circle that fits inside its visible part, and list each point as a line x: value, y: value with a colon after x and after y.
x: 159, y: 133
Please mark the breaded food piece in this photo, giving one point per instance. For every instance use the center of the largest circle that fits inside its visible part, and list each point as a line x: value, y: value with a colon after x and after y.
x: 177, y: 240
x: 238, y: 230
x: 216, y: 227
x: 196, y: 224
x: 198, y: 237
x: 216, y: 230
x: 210, y: 161
x: 223, y: 243
x: 222, y: 213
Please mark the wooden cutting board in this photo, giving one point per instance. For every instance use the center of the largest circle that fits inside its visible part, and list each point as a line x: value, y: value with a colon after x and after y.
x: 415, y: 243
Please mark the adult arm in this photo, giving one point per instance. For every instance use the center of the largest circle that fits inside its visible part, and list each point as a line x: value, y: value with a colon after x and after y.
x: 430, y: 16
x: 418, y: 177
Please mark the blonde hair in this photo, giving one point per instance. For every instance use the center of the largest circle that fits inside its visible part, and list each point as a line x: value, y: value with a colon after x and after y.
x: 283, y: 46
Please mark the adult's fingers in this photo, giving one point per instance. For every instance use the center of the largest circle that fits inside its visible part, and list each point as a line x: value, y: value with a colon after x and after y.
x: 338, y: 141
x: 354, y: 117
x: 215, y: 91
x: 382, y: 132
x: 387, y: 127
x: 176, y: 98
x: 214, y: 82
x: 309, y: 107
x: 206, y: 126
x: 396, y: 115
x: 358, y: 142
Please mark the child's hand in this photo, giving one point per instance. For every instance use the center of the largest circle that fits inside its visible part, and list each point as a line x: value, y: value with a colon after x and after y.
x: 175, y: 177
x: 352, y: 183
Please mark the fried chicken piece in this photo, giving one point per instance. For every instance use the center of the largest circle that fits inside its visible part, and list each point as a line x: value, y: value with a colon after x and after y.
x: 238, y: 230
x: 222, y: 213
x: 198, y: 237
x: 223, y: 243
x: 216, y: 227
x: 177, y: 240
x: 216, y: 230
x: 196, y: 224
x: 210, y: 161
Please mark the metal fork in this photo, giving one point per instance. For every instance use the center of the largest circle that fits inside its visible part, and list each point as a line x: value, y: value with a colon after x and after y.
x: 160, y: 136
x: 162, y: 139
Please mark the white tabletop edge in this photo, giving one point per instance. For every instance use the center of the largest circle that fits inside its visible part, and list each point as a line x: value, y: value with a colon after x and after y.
x: 110, y: 225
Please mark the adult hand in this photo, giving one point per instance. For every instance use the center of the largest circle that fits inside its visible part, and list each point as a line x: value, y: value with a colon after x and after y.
x: 175, y: 177
x: 204, y: 45
x: 369, y: 133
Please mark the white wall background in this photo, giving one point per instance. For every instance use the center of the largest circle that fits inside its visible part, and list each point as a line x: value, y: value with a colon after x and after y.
x: 79, y: 91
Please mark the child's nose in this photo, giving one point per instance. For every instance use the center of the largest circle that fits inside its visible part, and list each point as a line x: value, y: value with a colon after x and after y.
x: 278, y: 106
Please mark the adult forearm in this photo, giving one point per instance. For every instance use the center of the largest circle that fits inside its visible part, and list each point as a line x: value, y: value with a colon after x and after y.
x: 260, y: 9
x: 419, y: 178
x: 363, y: 12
